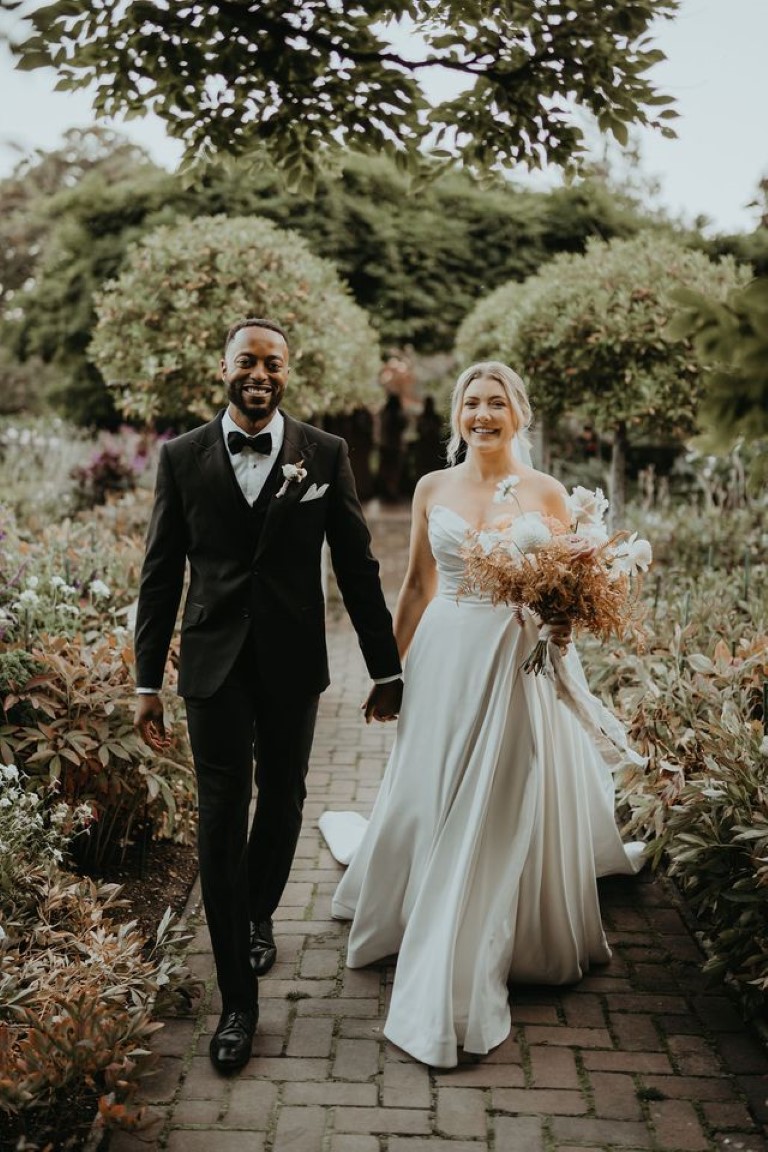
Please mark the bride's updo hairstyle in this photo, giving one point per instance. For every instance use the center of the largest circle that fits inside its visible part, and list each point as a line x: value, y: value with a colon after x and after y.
x: 515, y: 392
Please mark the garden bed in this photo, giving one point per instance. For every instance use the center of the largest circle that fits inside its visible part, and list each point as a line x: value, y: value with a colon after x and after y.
x: 153, y: 878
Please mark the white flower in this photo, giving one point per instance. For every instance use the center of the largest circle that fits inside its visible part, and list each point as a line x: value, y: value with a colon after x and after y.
x: 488, y: 538
x: 27, y: 597
x: 58, y: 582
x: 591, y: 531
x: 586, y: 505
x: 764, y: 746
x: 505, y: 489
x: 68, y: 609
x: 292, y: 474
x: 4, y: 802
x: 632, y: 555
x: 528, y: 533
x: 99, y: 590
x: 32, y: 581
x: 9, y: 772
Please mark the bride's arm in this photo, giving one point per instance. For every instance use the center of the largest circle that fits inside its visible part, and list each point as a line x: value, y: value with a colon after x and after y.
x: 421, y: 576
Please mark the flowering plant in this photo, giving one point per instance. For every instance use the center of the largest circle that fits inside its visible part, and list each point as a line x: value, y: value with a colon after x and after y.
x: 32, y: 835
x: 575, y: 575
x: 292, y: 474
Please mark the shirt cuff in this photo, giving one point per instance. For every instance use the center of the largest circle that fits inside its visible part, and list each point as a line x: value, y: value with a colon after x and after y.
x: 147, y: 691
x: 387, y: 679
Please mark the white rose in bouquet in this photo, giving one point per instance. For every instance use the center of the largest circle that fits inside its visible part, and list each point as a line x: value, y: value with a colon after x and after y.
x: 591, y: 531
x: 528, y: 533
x: 585, y: 505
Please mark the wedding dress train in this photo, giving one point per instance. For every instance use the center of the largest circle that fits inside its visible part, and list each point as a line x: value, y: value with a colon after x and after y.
x: 495, y: 817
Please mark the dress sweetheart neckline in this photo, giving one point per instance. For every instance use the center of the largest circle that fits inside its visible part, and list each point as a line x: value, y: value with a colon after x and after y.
x: 485, y: 527
x: 453, y: 512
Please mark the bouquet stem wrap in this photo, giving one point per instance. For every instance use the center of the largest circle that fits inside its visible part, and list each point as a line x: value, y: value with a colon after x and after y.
x: 537, y: 660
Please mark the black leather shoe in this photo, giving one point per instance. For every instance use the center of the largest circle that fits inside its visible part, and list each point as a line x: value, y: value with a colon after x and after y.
x: 230, y: 1047
x: 263, y: 951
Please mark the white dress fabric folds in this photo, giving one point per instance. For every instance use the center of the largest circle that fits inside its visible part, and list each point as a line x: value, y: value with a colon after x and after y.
x: 495, y: 817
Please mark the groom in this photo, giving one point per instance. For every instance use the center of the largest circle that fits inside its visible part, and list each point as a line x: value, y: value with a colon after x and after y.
x: 247, y: 501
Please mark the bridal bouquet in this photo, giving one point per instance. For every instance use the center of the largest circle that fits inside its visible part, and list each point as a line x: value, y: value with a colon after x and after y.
x: 577, y: 575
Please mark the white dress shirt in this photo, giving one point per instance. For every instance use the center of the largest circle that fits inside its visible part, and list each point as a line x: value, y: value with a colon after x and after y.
x: 252, y: 468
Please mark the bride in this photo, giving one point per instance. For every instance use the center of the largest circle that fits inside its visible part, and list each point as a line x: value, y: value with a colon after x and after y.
x: 494, y: 818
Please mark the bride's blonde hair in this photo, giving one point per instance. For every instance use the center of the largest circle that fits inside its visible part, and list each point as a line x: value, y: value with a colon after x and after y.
x: 515, y: 392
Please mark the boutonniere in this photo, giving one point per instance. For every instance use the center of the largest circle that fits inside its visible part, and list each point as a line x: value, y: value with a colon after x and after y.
x: 292, y: 474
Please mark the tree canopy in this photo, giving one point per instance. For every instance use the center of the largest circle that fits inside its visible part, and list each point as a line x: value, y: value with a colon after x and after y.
x: 732, y: 336
x: 299, y: 79
x: 26, y: 195
x: 161, y: 324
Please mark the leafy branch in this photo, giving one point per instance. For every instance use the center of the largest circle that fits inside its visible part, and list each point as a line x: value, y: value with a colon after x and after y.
x: 296, y: 81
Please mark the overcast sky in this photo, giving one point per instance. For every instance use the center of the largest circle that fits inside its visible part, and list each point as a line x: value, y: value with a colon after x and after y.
x: 716, y: 53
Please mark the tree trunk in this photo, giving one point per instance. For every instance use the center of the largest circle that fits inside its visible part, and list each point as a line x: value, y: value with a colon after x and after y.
x: 618, y: 476
x: 540, y: 445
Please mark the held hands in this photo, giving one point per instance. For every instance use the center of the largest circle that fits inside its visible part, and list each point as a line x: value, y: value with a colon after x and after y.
x: 383, y: 701
x: 148, y: 722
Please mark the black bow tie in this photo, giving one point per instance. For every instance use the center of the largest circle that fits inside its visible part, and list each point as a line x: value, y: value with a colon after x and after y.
x: 238, y: 442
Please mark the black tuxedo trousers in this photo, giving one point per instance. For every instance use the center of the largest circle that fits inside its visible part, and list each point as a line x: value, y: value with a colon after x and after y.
x: 243, y: 872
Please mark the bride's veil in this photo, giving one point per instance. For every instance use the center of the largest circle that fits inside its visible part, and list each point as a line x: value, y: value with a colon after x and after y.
x: 521, y: 451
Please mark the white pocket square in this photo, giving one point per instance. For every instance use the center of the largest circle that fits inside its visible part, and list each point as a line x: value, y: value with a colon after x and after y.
x: 314, y: 493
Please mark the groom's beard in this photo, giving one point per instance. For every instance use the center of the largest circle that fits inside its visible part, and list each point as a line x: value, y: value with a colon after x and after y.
x: 255, y: 406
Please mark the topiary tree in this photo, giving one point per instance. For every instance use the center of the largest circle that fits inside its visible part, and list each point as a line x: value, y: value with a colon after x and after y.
x: 489, y: 331
x: 161, y: 324
x: 590, y: 334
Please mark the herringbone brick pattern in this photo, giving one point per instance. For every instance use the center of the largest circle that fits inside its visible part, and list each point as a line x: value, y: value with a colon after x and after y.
x: 640, y: 1055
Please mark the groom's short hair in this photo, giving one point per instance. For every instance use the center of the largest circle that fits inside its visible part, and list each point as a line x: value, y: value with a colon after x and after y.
x: 254, y: 322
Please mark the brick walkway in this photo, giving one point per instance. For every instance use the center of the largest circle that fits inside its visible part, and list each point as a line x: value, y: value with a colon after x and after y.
x: 640, y: 1055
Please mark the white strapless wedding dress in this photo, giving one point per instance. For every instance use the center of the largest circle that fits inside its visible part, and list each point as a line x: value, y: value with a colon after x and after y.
x: 494, y: 819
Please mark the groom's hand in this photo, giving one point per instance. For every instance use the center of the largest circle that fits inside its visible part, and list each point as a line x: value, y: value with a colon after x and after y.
x: 149, y: 723
x: 383, y: 701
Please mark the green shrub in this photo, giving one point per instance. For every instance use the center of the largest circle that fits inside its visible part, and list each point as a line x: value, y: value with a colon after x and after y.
x: 83, y: 744
x: 694, y: 703
x: 716, y: 840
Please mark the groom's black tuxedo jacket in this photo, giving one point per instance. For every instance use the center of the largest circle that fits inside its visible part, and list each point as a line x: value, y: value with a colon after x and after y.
x: 256, y: 568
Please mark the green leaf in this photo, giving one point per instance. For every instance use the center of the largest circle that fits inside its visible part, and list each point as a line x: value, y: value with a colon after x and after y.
x: 33, y: 59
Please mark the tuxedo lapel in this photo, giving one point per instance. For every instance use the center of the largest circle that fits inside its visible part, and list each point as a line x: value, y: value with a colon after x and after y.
x: 216, y: 469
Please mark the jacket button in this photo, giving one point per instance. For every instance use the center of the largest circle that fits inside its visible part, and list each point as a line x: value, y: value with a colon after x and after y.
x: 246, y: 614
